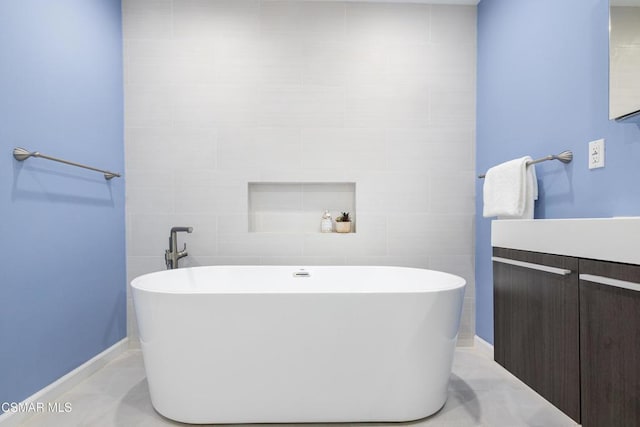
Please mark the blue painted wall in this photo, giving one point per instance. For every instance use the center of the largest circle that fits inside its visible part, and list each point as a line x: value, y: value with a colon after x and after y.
x: 543, y: 88
x: 62, y: 286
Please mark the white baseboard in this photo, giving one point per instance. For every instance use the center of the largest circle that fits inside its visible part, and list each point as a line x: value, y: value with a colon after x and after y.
x: 134, y: 343
x: 65, y: 383
x: 483, y: 347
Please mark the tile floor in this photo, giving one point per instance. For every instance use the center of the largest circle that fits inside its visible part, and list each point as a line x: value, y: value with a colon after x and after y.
x: 481, y: 393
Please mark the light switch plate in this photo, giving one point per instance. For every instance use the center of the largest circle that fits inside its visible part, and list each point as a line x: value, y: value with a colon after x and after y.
x: 596, y: 154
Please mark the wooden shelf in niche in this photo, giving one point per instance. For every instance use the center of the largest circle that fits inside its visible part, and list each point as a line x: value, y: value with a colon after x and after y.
x: 297, y: 207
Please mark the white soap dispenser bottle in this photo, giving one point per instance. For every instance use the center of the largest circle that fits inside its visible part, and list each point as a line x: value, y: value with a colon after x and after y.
x: 326, y: 226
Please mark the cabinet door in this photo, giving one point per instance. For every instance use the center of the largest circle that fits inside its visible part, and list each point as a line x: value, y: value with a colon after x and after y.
x: 610, y: 343
x: 536, y: 323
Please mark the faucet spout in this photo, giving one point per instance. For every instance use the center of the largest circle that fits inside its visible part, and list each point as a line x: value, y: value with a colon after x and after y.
x: 172, y: 255
x: 181, y: 229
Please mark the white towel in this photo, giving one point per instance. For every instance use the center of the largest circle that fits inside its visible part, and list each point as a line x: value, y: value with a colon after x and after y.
x: 510, y: 189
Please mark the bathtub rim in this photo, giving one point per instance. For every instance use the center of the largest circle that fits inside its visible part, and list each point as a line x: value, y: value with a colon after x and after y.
x: 457, y: 281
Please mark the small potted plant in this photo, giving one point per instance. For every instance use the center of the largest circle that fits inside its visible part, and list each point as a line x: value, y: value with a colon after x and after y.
x: 343, y: 223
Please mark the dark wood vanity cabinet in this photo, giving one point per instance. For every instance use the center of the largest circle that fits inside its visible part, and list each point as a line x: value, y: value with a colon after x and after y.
x: 570, y: 329
x: 536, y: 323
x: 610, y: 343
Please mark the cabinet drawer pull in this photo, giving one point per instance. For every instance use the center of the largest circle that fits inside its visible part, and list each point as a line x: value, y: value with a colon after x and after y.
x: 611, y: 282
x: 539, y: 267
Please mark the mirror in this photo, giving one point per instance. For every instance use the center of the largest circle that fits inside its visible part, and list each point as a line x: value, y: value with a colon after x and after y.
x: 624, y: 59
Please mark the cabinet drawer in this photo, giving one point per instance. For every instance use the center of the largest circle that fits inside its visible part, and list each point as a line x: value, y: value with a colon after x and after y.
x: 536, y: 323
x: 610, y: 343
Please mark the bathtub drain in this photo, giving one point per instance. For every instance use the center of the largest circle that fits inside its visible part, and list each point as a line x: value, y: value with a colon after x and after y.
x: 301, y: 273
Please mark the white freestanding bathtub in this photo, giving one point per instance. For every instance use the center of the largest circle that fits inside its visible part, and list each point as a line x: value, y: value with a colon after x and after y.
x: 259, y: 344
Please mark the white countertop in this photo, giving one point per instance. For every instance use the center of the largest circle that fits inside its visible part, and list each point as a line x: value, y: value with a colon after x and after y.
x: 608, y: 239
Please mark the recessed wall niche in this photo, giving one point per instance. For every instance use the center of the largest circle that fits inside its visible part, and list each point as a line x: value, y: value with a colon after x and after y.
x: 296, y: 207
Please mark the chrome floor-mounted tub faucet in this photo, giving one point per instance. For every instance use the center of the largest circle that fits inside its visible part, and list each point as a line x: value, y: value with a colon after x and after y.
x: 172, y: 255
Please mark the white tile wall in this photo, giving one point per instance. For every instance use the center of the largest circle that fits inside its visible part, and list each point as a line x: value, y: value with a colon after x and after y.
x: 220, y: 93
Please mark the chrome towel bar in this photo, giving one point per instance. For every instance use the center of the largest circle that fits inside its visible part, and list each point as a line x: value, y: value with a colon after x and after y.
x: 20, y: 154
x: 564, y: 157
